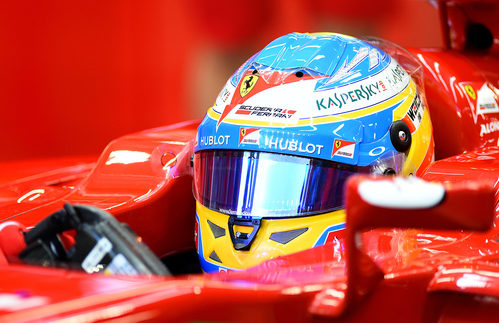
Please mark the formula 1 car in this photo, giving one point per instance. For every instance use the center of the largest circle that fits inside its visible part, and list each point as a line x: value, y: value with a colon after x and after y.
x: 413, y: 250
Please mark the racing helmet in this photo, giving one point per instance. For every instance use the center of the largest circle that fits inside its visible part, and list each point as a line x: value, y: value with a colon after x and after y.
x: 290, y: 126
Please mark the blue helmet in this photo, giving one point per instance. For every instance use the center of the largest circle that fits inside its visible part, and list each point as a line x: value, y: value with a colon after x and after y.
x: 291, y: 125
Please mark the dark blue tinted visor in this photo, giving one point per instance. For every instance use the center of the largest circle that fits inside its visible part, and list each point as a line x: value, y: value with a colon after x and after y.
x: 259, y: 184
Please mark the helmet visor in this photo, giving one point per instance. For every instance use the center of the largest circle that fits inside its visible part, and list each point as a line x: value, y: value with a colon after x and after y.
x: 259, y: 184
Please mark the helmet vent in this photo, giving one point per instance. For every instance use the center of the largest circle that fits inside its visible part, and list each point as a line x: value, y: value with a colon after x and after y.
x: 242, y: 240
x: 216, y: 230
x: 299, y: 74
x: 400, y: 135
x: 286, y: 236
x: 214, y: 256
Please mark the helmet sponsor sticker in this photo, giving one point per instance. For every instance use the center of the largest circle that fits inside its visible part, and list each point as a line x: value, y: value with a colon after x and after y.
x: 396, y: 76
x: 360, y: 94
x: 343, y: 148
x: 214, y: 140
x: 415, y: 114
x: 292, y: 145
x: 249, y: 136
x: 363, y: 93
x: 263, y: 113
x: 247, y: 84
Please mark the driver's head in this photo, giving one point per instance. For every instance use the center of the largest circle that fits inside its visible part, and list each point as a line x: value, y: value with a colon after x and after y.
x: 287, y: 130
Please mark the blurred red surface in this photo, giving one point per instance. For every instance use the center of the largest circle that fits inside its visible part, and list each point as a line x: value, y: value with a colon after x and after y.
x: 76, y: 74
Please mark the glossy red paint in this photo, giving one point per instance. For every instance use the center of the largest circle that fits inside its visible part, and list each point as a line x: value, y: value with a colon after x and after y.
x: 480, y: 164
x: 129, y: 180
x: 308, y: 286
x: 457, y: 125
x: 472, y: 279
x: 435, y: 263
x: 11, y: 241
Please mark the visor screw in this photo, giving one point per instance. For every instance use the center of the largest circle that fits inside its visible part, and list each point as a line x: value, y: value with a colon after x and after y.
x: 402, y: 136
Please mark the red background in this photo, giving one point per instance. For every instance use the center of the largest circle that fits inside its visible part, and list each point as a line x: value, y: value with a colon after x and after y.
x: 76, y: 74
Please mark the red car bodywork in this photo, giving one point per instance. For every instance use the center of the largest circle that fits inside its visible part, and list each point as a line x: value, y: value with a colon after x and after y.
x: 413, y: 265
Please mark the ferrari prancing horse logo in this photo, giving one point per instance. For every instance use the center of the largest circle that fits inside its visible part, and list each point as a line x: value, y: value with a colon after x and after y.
x: 470, y: 91
x: 247, y: 84
x: 343, y: 148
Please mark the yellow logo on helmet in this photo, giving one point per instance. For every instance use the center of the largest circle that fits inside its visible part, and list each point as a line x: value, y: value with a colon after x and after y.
x: 337, y: 143
x: 247, y: 84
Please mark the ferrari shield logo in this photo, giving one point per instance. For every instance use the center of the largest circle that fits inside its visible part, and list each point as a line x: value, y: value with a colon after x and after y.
x: 249, y: 136
x: 343, y: 148
x: 470, y: 91
x: 247, y: 84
